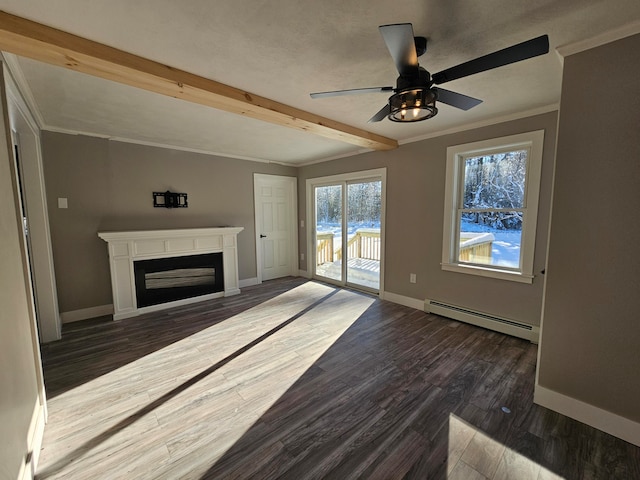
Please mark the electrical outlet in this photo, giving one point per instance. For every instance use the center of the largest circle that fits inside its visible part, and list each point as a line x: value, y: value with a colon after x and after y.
x: 412, y: 278
x: 302, y: 257
x: 301, y: 223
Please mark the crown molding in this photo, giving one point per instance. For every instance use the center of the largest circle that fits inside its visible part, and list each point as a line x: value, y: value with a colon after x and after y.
x: 484, y: 123
x: 609, y: 36
x: 334, y: 157
x: 166, y: 146
x: 21, y: 83
x: 461, y: 128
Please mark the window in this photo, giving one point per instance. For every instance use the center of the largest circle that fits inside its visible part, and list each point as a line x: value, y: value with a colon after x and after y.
x: 491, y: 206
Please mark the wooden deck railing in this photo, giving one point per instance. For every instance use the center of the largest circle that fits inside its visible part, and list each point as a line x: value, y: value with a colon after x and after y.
x: 364, y: 244
x: 476, y: 247
x: 324, y: 248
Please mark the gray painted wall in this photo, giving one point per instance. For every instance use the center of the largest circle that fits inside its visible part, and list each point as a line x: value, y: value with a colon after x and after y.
x: 591, y: 330
x: 109, y: 187
x: 415, y: 216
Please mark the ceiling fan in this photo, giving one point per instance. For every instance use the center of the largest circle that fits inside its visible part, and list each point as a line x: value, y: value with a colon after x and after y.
x: 414, y: 96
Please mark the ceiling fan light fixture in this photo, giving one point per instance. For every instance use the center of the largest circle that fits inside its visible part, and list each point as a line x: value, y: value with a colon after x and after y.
x: 412, y: 105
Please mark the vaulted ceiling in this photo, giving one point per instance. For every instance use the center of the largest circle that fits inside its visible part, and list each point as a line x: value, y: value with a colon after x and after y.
x: 277, y: 52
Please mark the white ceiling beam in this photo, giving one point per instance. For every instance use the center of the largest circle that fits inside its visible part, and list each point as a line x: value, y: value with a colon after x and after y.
x: 39, y: 42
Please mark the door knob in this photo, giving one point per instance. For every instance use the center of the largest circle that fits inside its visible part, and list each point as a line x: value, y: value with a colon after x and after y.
x: 263, y: 236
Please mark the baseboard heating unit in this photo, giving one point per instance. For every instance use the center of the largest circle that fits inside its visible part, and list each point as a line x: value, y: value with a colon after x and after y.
x: 491, y: 322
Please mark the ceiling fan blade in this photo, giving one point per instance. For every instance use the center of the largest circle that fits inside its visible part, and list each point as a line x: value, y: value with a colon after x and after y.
x: 402, y: 47
x: 352, y: 91
x: 522, y: 51
x: 384, y: 112
x: 457, y: 100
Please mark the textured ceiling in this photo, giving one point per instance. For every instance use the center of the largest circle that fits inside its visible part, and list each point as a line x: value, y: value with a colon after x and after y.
x: 283, y: 50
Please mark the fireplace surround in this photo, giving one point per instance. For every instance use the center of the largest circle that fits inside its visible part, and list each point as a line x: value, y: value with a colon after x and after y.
x: 182, y: 252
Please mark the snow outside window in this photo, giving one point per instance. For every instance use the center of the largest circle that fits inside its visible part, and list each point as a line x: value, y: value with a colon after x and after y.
x: 491, y: 206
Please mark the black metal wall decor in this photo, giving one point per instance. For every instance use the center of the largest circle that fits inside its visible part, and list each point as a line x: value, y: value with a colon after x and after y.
x: 170, y: 200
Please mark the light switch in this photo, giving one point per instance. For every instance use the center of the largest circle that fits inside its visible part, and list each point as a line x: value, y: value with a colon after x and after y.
x: 62, y: 203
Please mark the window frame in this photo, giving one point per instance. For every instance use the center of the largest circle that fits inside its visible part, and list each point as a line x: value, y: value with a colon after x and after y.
x: 456, y: 155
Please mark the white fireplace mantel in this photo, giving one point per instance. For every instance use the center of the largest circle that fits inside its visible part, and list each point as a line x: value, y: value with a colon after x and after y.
x: 127, y: 247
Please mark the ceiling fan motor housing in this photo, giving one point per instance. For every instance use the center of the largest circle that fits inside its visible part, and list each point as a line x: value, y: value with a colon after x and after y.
x: 421, y: 45
x: 419, y: 79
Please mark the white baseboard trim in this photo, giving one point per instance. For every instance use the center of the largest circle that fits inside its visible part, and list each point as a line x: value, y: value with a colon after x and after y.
x: 248, y: 282
x: 402, y: 300
x: 86, y: 313
x: 175, y: 303
x: 304, y: 273
x: 535, y: 334
x: 102, y: 310
x: 608, y: 422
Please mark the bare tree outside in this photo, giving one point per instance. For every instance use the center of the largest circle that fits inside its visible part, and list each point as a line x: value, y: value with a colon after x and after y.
x: 494, y: 182
x: 492, y: 208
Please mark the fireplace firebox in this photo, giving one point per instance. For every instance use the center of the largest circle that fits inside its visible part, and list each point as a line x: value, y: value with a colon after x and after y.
x: 163, y: 280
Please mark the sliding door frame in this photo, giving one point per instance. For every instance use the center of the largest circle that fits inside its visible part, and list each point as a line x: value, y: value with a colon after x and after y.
x: 378, y: 174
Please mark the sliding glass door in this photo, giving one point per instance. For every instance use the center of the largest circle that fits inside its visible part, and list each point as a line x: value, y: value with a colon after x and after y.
x: 347, y: 240
x: 329, y: 216
x: 363, y: 234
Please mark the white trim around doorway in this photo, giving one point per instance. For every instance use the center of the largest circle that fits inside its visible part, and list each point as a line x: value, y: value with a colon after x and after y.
x: 26, y: 132
x: 292, y: 183
x: 311, y: 183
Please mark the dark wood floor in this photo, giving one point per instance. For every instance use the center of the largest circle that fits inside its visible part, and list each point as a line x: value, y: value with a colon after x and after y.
x: 299, y: 380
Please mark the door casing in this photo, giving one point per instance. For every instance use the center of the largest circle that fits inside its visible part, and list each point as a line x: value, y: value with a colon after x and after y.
x: 292, y: 198
x: 374, y: 174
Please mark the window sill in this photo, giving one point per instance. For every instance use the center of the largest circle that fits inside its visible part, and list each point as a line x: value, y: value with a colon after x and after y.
x: 488, y: 272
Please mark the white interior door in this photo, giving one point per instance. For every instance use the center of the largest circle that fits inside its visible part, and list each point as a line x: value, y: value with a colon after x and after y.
x: 276, y: 218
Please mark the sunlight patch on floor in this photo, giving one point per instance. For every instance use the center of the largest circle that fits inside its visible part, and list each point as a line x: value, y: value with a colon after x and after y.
x: 220, y: 386
x: 473, y: 455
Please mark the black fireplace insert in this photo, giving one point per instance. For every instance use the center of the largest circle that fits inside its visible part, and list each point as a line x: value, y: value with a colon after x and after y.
x: 162, y: 280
